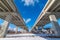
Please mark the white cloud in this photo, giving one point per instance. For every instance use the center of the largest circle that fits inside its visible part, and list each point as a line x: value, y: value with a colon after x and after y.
x: 27, y: 21
x: 30, y: 2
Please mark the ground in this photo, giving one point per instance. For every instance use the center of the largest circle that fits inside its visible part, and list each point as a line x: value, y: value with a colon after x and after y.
x: 27, y: 37
x: 30, y: 38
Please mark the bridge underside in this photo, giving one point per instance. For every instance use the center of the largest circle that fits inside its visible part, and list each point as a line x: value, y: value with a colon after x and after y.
x: 45, y: 20
x: 50, y: 13
x: 9, y: 13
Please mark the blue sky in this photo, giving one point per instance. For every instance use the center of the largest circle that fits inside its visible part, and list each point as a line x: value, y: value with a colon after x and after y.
x: 30, y: 10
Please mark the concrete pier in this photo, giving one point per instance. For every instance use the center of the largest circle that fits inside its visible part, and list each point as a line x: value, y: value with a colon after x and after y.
x: 5, y: 26
x: 16, y: 30
x: 55, y: 25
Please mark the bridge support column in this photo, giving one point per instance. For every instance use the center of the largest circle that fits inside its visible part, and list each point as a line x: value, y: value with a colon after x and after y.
x: 42, y: 28
x: 36, y: 27
x: 34, y: 30
x: 5, y: 25
x: 16, y: 30
x: 55, y: 25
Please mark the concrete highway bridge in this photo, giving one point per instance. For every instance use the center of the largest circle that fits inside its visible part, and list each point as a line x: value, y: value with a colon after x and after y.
x: 10, y: 14
x: 49, y: 14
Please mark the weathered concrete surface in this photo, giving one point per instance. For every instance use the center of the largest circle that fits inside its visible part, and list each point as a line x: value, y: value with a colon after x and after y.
x: 30, y: 38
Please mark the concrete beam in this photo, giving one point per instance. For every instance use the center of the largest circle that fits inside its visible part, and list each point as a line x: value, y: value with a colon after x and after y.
x: 16, y: 30
x: 2, y: 9
x: 6, y: 13
x: 4, y: 5
x: 57, y: 9
x: 55, y: 6
x: 10, y: 2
